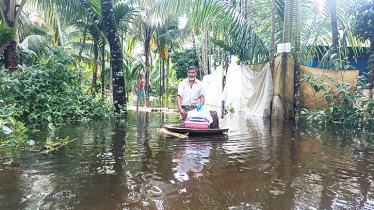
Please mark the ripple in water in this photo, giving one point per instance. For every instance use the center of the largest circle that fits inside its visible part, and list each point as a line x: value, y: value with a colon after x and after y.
x: 259, y: 164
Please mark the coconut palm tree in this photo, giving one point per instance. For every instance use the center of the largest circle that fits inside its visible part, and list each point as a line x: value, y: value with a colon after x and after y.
x: 6, y: 35
x: 10, y: 13
x: 147, y: 24
x: 109, y: 20
x: 168, y: 38
x: 334, y: 29
x: 87, y: 14
x: 272, y: 37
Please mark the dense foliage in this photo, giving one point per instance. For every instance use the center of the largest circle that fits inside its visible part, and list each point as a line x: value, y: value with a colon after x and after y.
x: 364, y: 20
x: 6, y: 34
x: 49, y: 90
x: 182, y: 60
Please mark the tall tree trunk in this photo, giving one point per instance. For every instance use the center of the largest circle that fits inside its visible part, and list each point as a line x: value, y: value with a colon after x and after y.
x: 213, y: 47
x: 163, y: 76
x: 167, y: 75
x: 94, y: 75
x: 160, y: 75
x: 102, y: 74
x: 281, y: 108
x: 60, y: 40
x: 334, y: 30
x: 297, y: 58
x: 159, y: 51
x: 210, y: 55
x: 11, y: 57
x: 216, y: 49
x: 196, y: 51
x: 80, y: 55
x: 10, y: 14
x: 286, y: 23
x: 111, y: 78
x: 147, y: 50
x: 272, y: 37
x: 203, y: 52
x: 119, y: 91
x: 206, y: 51
x: 223, y: 54
x: 83, y: 43
x: 138, y: 82
x: 240, y: 7
x: 371, y: 67
x: 245, y: 9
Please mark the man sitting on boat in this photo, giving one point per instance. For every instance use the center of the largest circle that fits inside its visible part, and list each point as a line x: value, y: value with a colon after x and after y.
x: 191, y: 93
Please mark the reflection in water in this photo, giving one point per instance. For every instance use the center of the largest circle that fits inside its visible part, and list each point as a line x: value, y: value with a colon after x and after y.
x: 260, y: 164
x: 191, y: 158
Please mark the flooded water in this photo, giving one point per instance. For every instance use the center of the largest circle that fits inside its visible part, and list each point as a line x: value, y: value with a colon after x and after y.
x: 259, y: 164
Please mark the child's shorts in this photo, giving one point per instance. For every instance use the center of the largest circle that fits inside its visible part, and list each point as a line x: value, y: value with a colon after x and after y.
x: 142, y: 95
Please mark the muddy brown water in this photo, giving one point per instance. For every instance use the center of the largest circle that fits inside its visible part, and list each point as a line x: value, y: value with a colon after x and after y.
x: 259, y: 164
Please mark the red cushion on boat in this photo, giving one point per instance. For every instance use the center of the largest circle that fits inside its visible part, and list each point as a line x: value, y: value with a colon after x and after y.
x: 196, y: 124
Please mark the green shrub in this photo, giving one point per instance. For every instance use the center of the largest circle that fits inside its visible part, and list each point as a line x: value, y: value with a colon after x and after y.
x: 49, y: 90
x: 343, y: 106
x: 15, y: 139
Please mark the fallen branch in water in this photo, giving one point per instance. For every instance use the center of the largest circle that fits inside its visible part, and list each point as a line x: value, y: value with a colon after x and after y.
x: 61, y: 145
x: 165, y: 131
x: 53, y: 147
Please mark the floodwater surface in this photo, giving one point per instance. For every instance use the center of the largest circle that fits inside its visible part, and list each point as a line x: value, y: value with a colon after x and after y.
x: 260, y: 164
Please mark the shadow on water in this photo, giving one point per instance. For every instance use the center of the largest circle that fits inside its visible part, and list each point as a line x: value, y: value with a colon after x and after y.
x: 259, y: 164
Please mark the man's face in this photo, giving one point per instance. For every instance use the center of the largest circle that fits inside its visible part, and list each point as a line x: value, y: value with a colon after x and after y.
x: 141, y: 76
x: 191, y: 74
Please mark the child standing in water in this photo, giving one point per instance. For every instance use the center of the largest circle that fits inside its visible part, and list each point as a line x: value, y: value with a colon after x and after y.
x: 141, y: 90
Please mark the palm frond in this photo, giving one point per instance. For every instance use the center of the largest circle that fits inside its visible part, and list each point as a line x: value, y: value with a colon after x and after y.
x: 37, y: 43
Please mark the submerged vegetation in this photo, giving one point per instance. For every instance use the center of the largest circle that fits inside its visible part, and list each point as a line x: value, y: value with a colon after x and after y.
x: 13, y: 136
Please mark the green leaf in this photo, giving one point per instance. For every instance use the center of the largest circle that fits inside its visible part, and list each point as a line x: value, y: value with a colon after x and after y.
x: 16, y: 89
x: 6, y: 130
x: 26, y: 132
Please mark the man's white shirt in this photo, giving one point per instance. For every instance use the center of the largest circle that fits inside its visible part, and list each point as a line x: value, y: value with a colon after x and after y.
x: 191, y: 96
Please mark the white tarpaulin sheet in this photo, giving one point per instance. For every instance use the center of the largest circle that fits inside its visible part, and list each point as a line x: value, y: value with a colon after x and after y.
x: 246, y: 90
x: 213, y: 89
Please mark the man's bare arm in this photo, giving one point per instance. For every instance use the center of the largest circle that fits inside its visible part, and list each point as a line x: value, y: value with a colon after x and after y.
x: 202, y: 100
x: 179, y: 101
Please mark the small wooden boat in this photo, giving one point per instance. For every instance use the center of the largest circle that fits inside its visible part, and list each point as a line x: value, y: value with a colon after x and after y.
x: 178, y: 129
